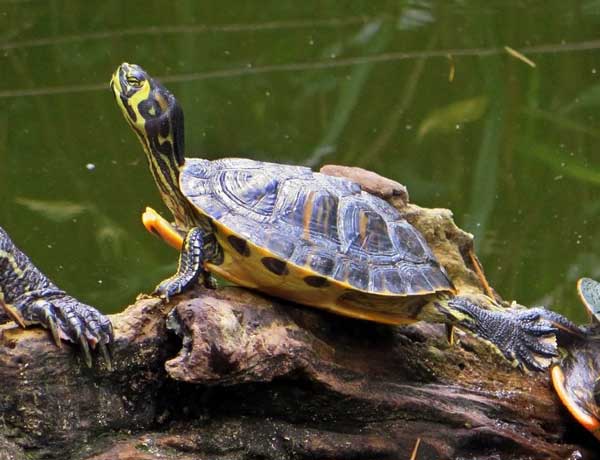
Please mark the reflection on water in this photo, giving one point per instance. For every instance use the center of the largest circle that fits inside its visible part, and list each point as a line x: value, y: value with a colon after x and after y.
x: 488, y: 111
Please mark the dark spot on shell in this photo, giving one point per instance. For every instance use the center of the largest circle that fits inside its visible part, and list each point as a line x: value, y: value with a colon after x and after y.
x: 279, y: 267
x: 316, y: 281
x: 239, y: 244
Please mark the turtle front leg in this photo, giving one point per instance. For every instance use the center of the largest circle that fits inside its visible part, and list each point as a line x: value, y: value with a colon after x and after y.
x: 526, y: 338
x: 28, y: 297
x: 191, y: 265
x: 66, y: 318
x: 157, y: 225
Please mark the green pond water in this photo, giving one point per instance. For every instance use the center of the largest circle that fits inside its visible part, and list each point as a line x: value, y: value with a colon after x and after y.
x: 423, y: 92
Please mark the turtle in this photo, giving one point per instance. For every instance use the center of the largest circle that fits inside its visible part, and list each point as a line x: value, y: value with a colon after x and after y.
x: 576, y: 377
x: 27, y: 296
x: 304, y: 236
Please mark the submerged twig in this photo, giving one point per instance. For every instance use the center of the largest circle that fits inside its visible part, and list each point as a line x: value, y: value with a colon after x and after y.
x: 514, y: 53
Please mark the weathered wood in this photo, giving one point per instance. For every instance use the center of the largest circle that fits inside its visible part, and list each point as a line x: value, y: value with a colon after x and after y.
x: 256, y: 378
x: 243, y: 376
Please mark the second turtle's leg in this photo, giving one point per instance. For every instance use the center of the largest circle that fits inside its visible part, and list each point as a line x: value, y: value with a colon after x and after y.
x: 191, y: 265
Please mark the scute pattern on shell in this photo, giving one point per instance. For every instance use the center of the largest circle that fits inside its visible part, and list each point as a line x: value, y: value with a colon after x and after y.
x: 327, y: 224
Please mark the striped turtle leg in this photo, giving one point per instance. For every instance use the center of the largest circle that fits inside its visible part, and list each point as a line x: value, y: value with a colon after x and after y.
x: 191, y: 265
x: 28, y: 297
x: 526, y: 337
x: 159, y: 226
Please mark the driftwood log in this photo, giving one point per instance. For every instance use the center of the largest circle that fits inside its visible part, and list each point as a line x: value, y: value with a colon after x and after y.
x: 232, y: 374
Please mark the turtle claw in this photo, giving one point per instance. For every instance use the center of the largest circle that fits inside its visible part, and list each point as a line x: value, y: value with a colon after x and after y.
x: 533, y: 343
x: 565, y: 330
x: 13, y: 313
x: 85, y: 349
x: 67, y: 318
x: 536, y: 357
x: 169, y: 288
x: 177, y: 283
x: 51, y: 324
x: 525, y: 337
x: 106, y: 355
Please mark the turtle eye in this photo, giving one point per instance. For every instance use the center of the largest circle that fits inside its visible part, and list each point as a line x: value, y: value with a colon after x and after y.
x: 133, y: 81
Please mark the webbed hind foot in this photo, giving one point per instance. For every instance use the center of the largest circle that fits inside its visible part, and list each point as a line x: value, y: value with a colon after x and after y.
x: 526, y: 338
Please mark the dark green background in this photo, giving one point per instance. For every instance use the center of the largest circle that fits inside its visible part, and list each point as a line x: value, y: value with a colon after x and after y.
x: 511, y: 149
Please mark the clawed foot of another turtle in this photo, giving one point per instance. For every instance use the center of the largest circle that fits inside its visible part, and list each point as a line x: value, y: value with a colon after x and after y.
x: 67, y: 319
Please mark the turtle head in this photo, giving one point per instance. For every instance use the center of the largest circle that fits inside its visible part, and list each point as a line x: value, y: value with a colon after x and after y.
x: 151, y: 111
x: 157, y: 119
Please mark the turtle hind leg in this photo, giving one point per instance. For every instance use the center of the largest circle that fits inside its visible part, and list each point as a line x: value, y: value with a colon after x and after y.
x: 524, y: 337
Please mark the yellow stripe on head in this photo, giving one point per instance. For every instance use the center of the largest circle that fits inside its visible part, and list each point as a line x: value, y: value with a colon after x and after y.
x: 156, y: 118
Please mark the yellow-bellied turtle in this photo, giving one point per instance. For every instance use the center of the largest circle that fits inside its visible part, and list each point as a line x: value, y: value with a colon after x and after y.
x: 576, y: 377
x: 29, y: 297
x: 307, y: 237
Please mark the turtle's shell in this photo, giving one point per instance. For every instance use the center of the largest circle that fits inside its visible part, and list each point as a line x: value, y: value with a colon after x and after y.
x: 575, y: 380
x: 576, y: 377
x: 326, y: 225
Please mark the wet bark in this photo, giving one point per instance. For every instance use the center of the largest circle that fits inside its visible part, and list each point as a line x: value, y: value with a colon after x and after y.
x: 232, y: 374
